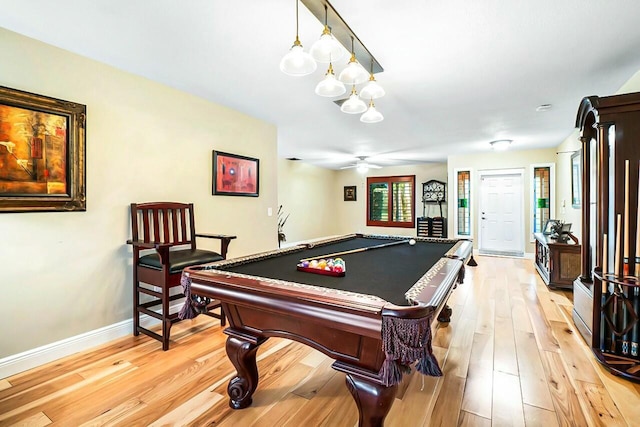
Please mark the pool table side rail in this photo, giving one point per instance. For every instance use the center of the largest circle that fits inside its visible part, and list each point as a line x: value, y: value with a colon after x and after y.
x: 429, y: 289
x: 341, y: 238
x: 461, y: 250
x: 248, y: 283
x: 340, y: 322
x: 424, y: 298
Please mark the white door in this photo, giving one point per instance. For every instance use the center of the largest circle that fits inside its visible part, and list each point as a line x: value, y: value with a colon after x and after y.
x: 501, y: 213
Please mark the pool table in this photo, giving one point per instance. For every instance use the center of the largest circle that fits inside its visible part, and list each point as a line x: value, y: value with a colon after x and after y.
x: 393, y: 290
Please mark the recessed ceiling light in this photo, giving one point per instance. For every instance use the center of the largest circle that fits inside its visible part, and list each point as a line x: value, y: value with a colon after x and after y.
x: 543, y: 107
x: 501, y: 144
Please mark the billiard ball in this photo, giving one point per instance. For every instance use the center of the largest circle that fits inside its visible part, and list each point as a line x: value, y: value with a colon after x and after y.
x: 412, y: 242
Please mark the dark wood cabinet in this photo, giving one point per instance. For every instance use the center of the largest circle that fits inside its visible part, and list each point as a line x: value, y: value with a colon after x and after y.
x: 557, y: 262
x: 607, y: 293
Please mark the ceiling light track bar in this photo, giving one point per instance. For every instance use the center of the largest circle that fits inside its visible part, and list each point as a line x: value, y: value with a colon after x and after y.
x: 343, y: 33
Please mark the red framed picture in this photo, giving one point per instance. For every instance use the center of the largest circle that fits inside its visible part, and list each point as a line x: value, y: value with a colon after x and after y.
x: 235, y: 175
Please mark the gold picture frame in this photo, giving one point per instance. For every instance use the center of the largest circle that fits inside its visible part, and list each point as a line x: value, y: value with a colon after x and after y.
x: 42, y: 153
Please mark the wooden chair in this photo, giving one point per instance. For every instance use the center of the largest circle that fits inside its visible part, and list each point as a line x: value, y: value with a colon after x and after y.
x: 164, y: 243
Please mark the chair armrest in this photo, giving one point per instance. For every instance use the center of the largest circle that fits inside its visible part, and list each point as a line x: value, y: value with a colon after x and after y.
x: 161, y: 248
x: 216, y: 236
x: 148, y: 245
x: 224, y: 241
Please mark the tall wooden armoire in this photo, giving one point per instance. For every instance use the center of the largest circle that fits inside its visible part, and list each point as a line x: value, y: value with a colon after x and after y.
x: 607, y: 303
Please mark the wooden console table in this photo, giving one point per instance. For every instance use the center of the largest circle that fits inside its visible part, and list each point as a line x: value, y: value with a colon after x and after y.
x: 557, y: 262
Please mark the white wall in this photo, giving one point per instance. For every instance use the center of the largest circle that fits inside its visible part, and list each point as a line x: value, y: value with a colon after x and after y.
x: 67, y: 273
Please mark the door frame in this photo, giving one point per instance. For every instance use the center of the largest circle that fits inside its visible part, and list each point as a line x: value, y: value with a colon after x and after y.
x: 494, y: 172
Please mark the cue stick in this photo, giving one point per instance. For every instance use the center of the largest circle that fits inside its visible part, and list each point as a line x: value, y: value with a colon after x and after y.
x: 625, y: 260
x: 637, y: 260
x: 635, y: 333
x: 616, y: 254
x: 616, y: 269
x: 626, y: 234
x: 605, y: 251
x: 603, y: 289
x: 353, y: 251
x: 616, y: 273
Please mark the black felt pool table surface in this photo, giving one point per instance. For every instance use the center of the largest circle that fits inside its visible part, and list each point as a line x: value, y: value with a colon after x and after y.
x: 384, y: 272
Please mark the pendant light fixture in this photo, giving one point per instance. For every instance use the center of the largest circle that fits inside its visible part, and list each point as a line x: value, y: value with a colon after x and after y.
x: 330, y: 86
x: 372, y: 115
x: 327, y: 48
x: 353, y: 74
x: 353, y: 105
x: 372, y: 90
x: 297, y: 62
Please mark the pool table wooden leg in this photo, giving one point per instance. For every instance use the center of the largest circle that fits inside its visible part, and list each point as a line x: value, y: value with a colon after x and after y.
x: 445, y: 314
x: 373, y: 400
x: 242, y: 353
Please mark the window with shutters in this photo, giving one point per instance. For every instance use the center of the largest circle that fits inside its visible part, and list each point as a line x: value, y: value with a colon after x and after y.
x: 391, y: 201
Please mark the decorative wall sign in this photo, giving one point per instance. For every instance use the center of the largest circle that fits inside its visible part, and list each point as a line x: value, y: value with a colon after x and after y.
x: 350, y: 193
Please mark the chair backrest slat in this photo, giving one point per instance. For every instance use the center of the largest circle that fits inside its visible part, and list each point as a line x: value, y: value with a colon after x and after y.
x: 174, y: 226
x: 146, y: 233
x: 163, y: 222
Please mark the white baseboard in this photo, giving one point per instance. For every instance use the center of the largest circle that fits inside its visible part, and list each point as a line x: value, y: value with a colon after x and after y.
x: 30, y: 359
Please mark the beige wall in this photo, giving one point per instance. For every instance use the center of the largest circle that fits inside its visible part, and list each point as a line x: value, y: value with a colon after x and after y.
x: 563, y: 169
x: 314, y: 198
x: 352, y: 215
x: 68, y: 273
x: 309, y: 195
x: 500, y: 160
x: 566, y: 211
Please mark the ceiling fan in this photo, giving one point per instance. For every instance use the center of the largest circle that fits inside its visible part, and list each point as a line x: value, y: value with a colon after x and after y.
x: 362, y: 165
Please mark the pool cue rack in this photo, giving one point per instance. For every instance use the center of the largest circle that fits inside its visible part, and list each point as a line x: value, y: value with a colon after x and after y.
x: 432, y: 227
x: 433, y: 192
x: 607, y: 292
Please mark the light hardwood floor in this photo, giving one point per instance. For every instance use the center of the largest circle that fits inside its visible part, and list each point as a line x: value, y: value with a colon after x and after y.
x: 511, y: 357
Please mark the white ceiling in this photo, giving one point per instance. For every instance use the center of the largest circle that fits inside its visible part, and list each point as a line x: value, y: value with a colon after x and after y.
x: 458, y: 74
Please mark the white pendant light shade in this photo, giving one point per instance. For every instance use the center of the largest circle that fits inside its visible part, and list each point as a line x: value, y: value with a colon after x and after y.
x: 372, y: 115
x: 297, y: 62
x: 327, y: 48
x: 353, y: 105
x: 353, y: 74
x: 372, y: 90
x: 330, y: 86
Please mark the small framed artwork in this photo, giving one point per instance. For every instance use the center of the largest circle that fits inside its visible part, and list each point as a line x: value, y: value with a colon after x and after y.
x: 235, y: 175
x: 42, y: 153
x: 549, y: 226
x: 350, y: 193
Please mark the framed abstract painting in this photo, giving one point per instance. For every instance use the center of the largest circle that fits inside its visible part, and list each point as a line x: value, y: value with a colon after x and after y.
x: 235, y: 175
x: 42, y: 153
